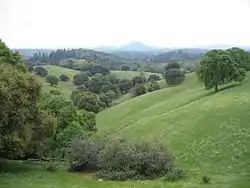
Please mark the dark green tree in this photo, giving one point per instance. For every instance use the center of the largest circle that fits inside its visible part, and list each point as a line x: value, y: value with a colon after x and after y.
x: 152, y: 86
x: 86, y: 100
x: 125, y: 68
x: 153, y: 77
x: 107, y: 97
x: 218, y: 67
x: 139, y: 80
x: 139, y: 89
x: 80, y: 79
x: 52, y: 80
x: 64, y: 78
x: 41, y: 71
x: 125, y: 85
x: 241, y: 57
x: 173, y: 73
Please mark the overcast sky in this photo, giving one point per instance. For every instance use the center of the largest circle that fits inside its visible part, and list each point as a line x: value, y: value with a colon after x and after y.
x: 89, y: 23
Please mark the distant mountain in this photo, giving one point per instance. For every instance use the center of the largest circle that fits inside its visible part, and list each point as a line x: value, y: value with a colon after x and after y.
x: 132, y: 46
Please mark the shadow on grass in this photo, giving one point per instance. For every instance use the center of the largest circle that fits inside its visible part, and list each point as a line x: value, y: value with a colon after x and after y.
x: 7, y: 166
x: 230, y: 86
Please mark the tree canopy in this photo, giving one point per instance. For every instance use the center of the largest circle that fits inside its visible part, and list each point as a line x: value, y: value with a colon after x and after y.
x: 218, y: 67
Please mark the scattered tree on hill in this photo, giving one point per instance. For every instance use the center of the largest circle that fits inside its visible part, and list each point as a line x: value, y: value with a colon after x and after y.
x: 153, y: 77
x: 152, y: 86
x: 86, y: 100
x: 139, y: 89
x: 125, y: 68
x: 173, y: 73
x: 125, y: 85
x: 88, y: 73
x: 53, y: 80
x: 80, y: 79
x: 218, y: 67
x: 139, y: 80
x: 64, y: 78
x: 41, y: 71
x: 82, y: 88
x: 107, y: 97
x: 241, y: 57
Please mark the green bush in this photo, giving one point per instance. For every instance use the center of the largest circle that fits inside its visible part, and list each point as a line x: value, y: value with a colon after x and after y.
x: 83, y: 155
x: 52, y: 80
x: 175, y: 174
x: 64, y: 78
x: 138, y: 90
x: 41, y: 71
x: 120, y: 160
x: 206, y: 179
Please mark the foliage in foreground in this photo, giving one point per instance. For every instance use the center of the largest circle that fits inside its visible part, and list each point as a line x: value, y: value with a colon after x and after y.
x: 32, y: 125
x: 117, y: 159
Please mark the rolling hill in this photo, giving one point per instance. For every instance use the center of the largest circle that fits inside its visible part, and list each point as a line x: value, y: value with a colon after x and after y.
x: 65, y: 88
x: 208, y: 133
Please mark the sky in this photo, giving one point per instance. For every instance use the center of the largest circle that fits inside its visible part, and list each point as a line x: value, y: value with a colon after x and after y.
x: 90, y: 23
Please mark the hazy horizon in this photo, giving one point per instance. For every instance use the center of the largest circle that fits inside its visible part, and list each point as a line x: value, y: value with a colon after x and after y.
x: 157, y: 23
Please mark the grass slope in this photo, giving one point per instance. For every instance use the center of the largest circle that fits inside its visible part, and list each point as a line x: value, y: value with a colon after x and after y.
x: 209, y: 133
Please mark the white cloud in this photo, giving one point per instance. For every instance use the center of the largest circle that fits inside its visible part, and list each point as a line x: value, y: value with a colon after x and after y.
x: 86, y: 23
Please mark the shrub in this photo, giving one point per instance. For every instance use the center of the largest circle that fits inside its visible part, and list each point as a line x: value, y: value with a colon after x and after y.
x: 175, y: 174
x: 120, y: 160
x: 116, y: 159
x: 83, y: 155
x: 153, y: 77
x: 41, y: 71
x: 64, y: 78
x: 53, y: 80
x: 206, y: 179
x: 152, y: 86
x: 138, y: 90
x: 139, y: 80
x: 80, y: 79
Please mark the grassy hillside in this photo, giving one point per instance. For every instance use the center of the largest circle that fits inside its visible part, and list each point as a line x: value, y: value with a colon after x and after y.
x: 209, y: 133
x: 65, y: 88
x: 130, y: 74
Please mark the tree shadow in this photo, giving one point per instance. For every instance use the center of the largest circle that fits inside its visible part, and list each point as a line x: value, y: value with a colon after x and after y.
x: 7, y: 166
x: 230, y: 86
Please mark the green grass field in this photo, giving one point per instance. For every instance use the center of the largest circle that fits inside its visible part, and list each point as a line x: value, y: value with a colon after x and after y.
x: 207, y: 132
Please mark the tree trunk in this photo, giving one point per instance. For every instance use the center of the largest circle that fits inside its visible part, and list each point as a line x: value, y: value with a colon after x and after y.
x: 216, y: 88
